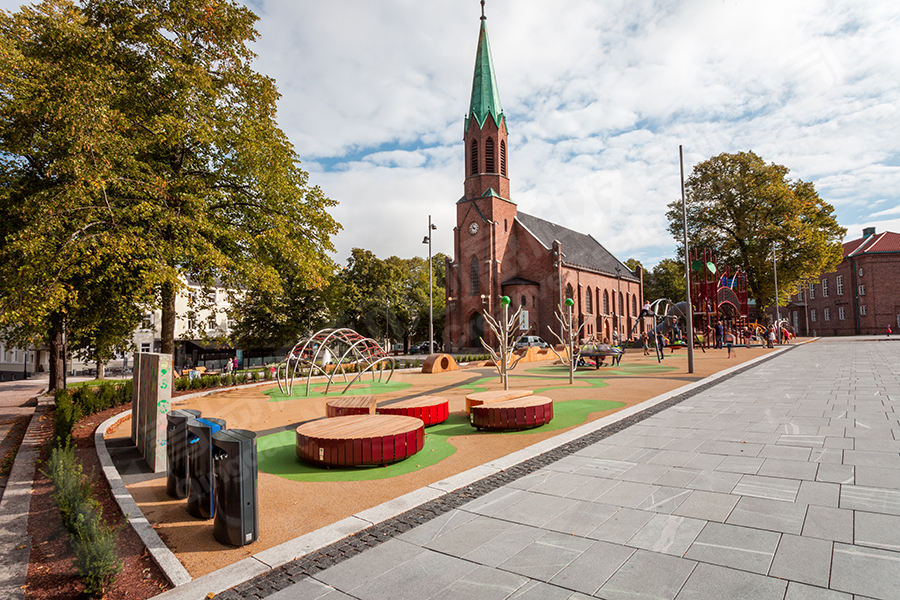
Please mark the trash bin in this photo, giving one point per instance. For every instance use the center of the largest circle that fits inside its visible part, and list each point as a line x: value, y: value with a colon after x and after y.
x: 201, y: 493
x: 176, y: 452
x: 237, y: 514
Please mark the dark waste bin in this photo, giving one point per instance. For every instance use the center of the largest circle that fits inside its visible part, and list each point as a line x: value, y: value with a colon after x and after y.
x: 176, y: 452
x: 237, y: 514
x: 201, y: 493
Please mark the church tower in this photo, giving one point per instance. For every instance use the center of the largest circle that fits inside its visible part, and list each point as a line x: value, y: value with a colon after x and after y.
x: 485, y: 214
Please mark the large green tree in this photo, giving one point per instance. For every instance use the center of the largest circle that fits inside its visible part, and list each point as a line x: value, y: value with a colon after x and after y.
x: 665, y: 280
x: 740, y: 206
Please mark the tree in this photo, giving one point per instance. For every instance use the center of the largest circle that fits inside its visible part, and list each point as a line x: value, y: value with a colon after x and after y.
x: 666, y: 280
x: 739, y: 206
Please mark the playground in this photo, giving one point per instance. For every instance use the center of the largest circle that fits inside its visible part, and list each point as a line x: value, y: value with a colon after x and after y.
x: 296, y: 498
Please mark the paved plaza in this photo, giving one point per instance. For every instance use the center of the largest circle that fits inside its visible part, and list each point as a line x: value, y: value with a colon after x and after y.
x: 781, y: 482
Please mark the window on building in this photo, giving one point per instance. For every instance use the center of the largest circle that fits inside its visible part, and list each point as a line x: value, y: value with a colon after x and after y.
x: 147, y: 322
x: 862, y: 309
x: 211, y: 323
x: 503, y: 157
x: 839, y: 284
x: 524, y: 301
x: 473, y: 275
x: 505, y: 226
x: 145, y: 346
x: 621, y: 304
x: 826, y: 314
x: 862, y: 290
x: 489, y: 156
x: 812, y: 315
x: 812, y: 291
x: 211, y: 296
x: 825, y: 289
x: 588, y: 302
x: 569, y: 291
x: 473, y: 158
x: 605, y: 302
x: 794, y: 319
x: 191, y: 324
x: 800, y: 296
x: 841, y: 313
x: 634, y: 304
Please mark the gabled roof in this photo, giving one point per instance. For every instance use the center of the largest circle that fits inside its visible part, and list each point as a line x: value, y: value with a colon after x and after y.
x: 579, y: 250
x: 887, y: 241
x: 485, y: 93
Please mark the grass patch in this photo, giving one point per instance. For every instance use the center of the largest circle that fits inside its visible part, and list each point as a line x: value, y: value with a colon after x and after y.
x: 277, y: 452
x: 96, y: 382
x: 317, y: 390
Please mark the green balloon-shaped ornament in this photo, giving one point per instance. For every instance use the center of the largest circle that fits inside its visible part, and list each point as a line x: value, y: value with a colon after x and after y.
x: 570, y: 302
x: 504, y: 300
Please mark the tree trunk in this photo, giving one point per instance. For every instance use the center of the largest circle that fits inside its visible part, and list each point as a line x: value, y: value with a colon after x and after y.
x: 101, y: 367
x: 167, y: 325
x: 57, y: 352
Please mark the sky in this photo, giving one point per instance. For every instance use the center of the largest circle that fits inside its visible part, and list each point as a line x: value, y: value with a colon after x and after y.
x: 598, y: 97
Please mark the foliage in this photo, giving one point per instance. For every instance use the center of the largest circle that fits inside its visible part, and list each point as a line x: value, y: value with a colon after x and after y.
x: 94, y: 542
x: 67, y: 414
x: 84, y: 401
x: 666, y: 280
x: 739, y: 206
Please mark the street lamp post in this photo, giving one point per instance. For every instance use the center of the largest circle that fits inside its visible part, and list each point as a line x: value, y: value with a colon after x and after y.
x: 427, y: 240
x: 687, y: 269
x: 618, y: 303
x: 775, y: 271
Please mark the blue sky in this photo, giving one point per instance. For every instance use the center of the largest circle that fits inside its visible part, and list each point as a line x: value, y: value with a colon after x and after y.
x: 598, y: 97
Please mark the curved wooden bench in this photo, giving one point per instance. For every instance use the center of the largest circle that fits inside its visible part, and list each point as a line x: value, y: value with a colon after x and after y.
x: 360, y: 440
x: 519, y: 413
x: 479, y: 398
x: 431, y: 409
x: 439, y: 363
x: 350, y: 405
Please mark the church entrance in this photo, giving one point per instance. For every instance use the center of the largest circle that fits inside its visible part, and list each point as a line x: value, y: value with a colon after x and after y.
x: 477, y: 329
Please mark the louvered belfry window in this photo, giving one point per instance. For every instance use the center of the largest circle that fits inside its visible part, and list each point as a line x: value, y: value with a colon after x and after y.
x: 473, y: 272
x: 489, y: 156
x: 473, y: 158
x: 503, y: 157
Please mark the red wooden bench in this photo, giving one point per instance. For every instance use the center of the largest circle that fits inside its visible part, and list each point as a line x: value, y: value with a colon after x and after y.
x: 518, y: 413
x: 479, y: 398
x: 350, y: 405
x: 431, y: 409
x: 360, y: 440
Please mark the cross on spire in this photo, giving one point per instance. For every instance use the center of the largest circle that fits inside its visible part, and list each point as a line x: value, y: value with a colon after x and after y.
x: 482, y: 11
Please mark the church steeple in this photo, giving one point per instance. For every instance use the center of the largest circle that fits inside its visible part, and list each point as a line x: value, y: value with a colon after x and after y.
x: 485, y: 129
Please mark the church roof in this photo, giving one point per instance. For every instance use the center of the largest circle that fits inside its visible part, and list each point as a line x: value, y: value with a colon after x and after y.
x: 579, y: 250
x: 485, y: 93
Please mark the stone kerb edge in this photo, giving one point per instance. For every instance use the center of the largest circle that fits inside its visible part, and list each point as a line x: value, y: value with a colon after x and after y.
x: 162, y: 556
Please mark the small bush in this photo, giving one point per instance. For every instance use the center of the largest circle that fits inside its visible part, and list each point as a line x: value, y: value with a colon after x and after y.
x: 67, y: 414
x: 196, y: 383
x: 106, y: 396
x: 182, y: 383
x: 227, y: 379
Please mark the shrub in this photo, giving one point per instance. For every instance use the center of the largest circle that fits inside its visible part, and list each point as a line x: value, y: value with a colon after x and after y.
x: 255, y: 376
x: 106, y: 396
x: 182, y: 383
x: 67, y: 414
x: 196, y: 383
x: 96, y: 555
x: 226, y: 379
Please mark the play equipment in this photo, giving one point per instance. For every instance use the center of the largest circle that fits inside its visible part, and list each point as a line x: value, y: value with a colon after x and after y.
x: 430, y: 409
x: 350, y: 405
x: 479, y: 398
x: 598, y: 352
x: 505, y: 332
x: 328, y: 353
x: 718, y: 295
x: 518, y: 413
x: 571, y: 331
x: 359, y: 440
x: 439, y: 363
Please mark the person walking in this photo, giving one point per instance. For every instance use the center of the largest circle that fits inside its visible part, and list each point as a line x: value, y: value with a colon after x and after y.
x: 720, y: 331
x: 770, y: 337
x: 729, y: 343
x: 645, y: 342
x: 889, y: 331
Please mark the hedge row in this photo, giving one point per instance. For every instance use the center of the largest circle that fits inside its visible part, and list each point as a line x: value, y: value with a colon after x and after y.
x: 71, y: 406
x: 93, y: 541
x: 213, y: 381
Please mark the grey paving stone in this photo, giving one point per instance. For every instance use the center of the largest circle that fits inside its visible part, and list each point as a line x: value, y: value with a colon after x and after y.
x: 482, y: 583
x: 865, y: 571
x: 461, y: 540
x: 714, y: 481
x: 819, y: 493
x: 869, y: 476
x: 673, y: 458
x: 677, y: 477
x: 834, y: 456
x: 788, y: 469
x: 878, y: 531
x: 712, y: 582
x: 803, y: 559
x: 741, y: 449
x: 354, y: 572
x: 664, y: 500
x: 870, y: 499
x: 707, y: 506
x: 872, y: 459
x: 599, y: 467
x: 836, y: 473
x: 703, y: 462
x: 801, y: 591
x: 594, y: 488
x: 500, y: 547
x: 738, y: 547
x: 439, y: 525
x: 620, y: 527
x: 631, y: 580
x: 870, y: 445
x: 580, y: 518
x: 592, y: 568
x: 494, y: 502
x: 772, y: 515
x: 740, y: 464
x: 683, y: 445
x: 307, y: 589
x: 627, y: 494
x: 835, y: 524
x: 536, y: 509
x: 422, y: 576
x: 538, y: 590
x: 783, y: 452
x: 667, y: 534
x: 546, y: 556
x: 816, y: 440
x: 645, y: 473
x: 773, y: 488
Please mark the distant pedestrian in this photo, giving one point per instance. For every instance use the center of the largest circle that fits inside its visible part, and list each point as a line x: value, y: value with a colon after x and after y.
x: 645, y: 342
x: 236, y: 365
x: 720, y: 332
x: 228, y: 366
x: 889, y: 331
x: 645, y: 310
x: 728, y: 338
x: 770, y: 337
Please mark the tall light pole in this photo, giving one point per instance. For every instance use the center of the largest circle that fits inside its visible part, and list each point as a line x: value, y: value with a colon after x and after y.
x: 619, y: 303
x: 775, y: 270
x: 687, y: 269
x: 427, y: 240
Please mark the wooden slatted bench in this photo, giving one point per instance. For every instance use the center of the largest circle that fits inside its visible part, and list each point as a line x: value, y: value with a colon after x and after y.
x: 360, y: 440
x: 431, y: 409
x: 350, y: 405
x: 518, y: 413
x: 479, y: 398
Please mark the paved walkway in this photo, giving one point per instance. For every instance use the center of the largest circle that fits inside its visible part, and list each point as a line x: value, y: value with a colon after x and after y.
x: 782, y: 482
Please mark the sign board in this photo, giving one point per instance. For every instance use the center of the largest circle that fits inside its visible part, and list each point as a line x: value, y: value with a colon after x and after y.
x: 523, y: 320
x: 151, y: 401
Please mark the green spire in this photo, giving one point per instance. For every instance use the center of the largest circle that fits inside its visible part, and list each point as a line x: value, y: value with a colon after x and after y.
x: 485, y: 94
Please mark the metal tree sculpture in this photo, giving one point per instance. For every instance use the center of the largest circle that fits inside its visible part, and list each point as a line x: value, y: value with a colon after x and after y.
x: 572, y: 332
x: 505, y: 332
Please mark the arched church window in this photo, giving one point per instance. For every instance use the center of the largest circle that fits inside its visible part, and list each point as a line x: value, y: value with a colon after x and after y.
x: 569, y: 292
x: 489, y: 156
x: 634, y: 304
x: 605, y: 302
x: 473, y: 272
x: 588, y: 301
x: 506, y: 227
x: 524, y: 301
x: 473, y: 158
x: 627, y: 305
x: 621, y: 304
x: 503, y: 157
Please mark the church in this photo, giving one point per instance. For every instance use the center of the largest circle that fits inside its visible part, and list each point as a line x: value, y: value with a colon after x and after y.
x: 501, y: 251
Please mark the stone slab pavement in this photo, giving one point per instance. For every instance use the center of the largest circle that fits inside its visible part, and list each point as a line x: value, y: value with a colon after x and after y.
x: 781, y: 482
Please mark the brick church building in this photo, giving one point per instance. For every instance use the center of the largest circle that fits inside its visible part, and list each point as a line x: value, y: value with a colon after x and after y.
x: 501, y: 251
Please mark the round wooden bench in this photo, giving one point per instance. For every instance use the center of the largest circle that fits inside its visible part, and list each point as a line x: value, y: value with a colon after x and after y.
x: 350, y: 405
x: 360, y: 440
x: 431, y: 409
x: 479, y: 398
x: 518, y: 413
